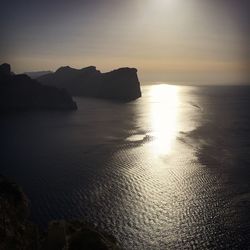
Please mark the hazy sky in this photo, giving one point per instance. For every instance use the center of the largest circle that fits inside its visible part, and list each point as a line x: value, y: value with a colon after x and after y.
x: 189, y: 41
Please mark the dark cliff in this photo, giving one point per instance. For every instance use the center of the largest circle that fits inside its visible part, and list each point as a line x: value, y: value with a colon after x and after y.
x: 121, y: 84
x: 20, y: 92
x: 17, y: 232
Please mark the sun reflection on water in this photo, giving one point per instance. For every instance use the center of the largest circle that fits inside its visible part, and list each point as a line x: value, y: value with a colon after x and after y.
x: 164, y: 102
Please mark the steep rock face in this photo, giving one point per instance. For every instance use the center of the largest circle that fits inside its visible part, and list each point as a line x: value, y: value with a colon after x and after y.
x: 121, y: 84
x: 20, y: 92
x: 17, y: 232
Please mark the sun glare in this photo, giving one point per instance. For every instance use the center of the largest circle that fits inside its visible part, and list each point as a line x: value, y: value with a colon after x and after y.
x: 164, y: 107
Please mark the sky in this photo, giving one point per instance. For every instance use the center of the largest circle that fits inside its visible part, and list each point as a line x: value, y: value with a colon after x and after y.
x: 173, y: 41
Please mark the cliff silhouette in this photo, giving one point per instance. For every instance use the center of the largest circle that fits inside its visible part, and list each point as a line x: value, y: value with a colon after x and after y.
x: 20, y: 92
x: 120, y: 84
x: 18, y: 232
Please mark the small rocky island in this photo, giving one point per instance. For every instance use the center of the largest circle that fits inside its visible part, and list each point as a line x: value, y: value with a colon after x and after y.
x: 17, y: 232
x: 121, y: 84
x: 21, y: 93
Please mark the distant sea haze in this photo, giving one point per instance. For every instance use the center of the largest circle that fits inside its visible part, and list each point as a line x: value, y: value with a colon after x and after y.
x: 169, y: 170
x: 36, y: 74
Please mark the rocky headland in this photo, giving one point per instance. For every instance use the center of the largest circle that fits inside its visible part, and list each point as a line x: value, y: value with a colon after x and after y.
x: 120, y: 84
x: 21, y: 93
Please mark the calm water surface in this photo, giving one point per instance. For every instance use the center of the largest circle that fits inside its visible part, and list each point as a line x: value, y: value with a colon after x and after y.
x: 167, y: 171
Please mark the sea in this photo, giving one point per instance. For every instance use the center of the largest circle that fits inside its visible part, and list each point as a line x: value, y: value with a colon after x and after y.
x: 170, y: 170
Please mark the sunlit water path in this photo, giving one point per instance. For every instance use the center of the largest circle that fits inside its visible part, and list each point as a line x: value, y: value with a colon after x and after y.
x: 162, y: 172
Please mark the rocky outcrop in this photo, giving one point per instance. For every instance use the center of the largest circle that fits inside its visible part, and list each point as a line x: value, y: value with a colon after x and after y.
x: 5, y: 70
x: 16, y: 232
x: 76, y: 234
x: 121, y: 84
x: 20, y: 92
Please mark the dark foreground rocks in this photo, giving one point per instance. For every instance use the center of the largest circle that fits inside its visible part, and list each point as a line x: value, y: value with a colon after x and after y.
x: 16, y: 232
x: 21, y: 93
x: 121, y: 84
x: 77, y: 235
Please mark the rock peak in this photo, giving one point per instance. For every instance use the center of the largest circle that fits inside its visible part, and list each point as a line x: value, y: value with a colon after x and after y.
x: 5, y: 69
x: 64, y: 69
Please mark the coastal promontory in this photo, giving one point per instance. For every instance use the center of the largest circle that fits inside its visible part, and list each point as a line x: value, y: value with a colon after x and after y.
x: 21, y: 93
x: 120, y: 84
